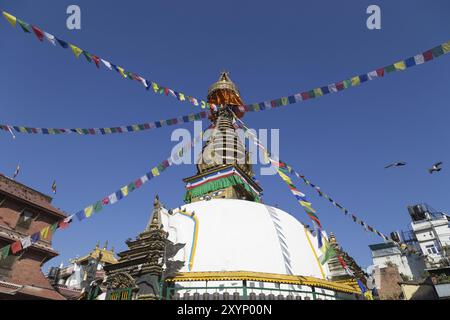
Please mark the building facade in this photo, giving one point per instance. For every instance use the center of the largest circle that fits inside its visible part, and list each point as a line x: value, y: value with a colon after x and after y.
x: 23, y: 212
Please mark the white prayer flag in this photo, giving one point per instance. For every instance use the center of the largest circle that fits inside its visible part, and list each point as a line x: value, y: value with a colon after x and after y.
x: 419, y: 59
x: 107, y: 64
x: 50, y: 38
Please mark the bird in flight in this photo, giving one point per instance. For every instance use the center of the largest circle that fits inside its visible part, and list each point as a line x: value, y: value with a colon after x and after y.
x: 435, y: 168
x: 396, y: 164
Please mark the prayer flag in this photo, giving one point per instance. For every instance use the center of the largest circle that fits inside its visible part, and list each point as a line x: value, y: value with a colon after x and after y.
x: 10, y: 18
x: 38, y: 32
x: 16, y: 172
x: 76, y: 51
x: 355, y: 81
x: 50, y: 38
x: 400, y: 65
x: 4, y: 252
x: 16, y: 247
x: 25, y: 26
x: 26, y: 242
x: 124, y: 191
x: 62, y: 43
x: 328, y: 253
x: 80, y: 215
x: 54, y: 186
x: 112, y: 198
x: 446, y: 47
x: 88, y: 56
x: 35, y: 237
x: 44, y: 233
x: 419, y: 59
x: 98, y: 206
x: 88, y: 211
x: 107, y: 64
x: 122, y: 72
x: 155, y: 172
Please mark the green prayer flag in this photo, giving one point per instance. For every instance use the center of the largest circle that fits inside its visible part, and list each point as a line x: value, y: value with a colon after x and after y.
x: 98, y: 206
x: 347, y: 83
x: 389, y: 69
x: 312, y: 94
x: 53, y: 227
x: 4, y: 252
x: 329, y: 253
x: 437, y: 51
x: 25, y: 26
x: 131, y: 187
x: 88, y: 56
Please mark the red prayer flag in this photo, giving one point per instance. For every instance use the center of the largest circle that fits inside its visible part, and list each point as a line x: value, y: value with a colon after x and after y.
x: 343, y: 264
x: 428, y: 55
x: 105, y: 201
x: 96, y: 61
x: 138, y: 183
x: 38, y: 32
x: 16, y: 247
x: 380, y: 72
x: 305, y: 95
x: 63, y: 225
x: 340, y: 85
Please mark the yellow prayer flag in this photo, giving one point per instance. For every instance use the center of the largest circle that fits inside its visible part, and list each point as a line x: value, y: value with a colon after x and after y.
x: 124, y: 191
x: 76, y: 51
x: 446, y: 47
x: 135, y: 127
x: 155, y: 172
x: 79, y: 131
x: 108, y: 130
x: 22, y: 129
x: 285, y: 177
x: 88, y: 211
x: 400, y: 65
x: 355, y: 81
x: 181, y: 95
x: 307, y: 205
x: 122, y: 71
x: 318, y: 92
x: 11, y: 19
x: 44, y: 233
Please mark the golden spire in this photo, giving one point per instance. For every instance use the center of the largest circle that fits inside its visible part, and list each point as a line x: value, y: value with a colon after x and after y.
x: 224, y: 92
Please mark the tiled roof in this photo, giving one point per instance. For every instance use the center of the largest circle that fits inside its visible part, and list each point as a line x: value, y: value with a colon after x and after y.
x: 43, y: 293
x: 24, y: 193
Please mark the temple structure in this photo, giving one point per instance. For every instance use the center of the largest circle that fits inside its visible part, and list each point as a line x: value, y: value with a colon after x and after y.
x: 74, y: 281
x: 224, y: 243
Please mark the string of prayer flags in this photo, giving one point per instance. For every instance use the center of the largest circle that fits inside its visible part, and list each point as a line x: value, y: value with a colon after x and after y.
x: 157, y: 88
x: 107, y: 130
x: 354, y: 81
x: 301, y: 198
x: 281, y: 164
x: 120, y: 194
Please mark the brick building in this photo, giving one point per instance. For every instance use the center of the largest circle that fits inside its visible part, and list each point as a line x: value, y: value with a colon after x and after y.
x: 23, y: 212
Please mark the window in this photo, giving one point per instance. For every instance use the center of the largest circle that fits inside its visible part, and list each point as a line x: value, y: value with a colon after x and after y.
x: 431, y: 249
x: 25, y: 219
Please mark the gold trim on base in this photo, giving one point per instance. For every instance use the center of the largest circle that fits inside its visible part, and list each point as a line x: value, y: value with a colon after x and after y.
x: 347, y: 287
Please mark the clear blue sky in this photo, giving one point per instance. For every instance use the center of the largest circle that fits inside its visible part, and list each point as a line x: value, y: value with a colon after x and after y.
x: 341, y: 142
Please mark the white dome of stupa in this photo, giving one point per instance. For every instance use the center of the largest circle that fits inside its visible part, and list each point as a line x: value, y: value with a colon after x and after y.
x: 235, y: 235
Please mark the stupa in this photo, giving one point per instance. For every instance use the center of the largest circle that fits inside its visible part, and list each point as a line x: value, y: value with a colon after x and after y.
x: 223, y: 242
